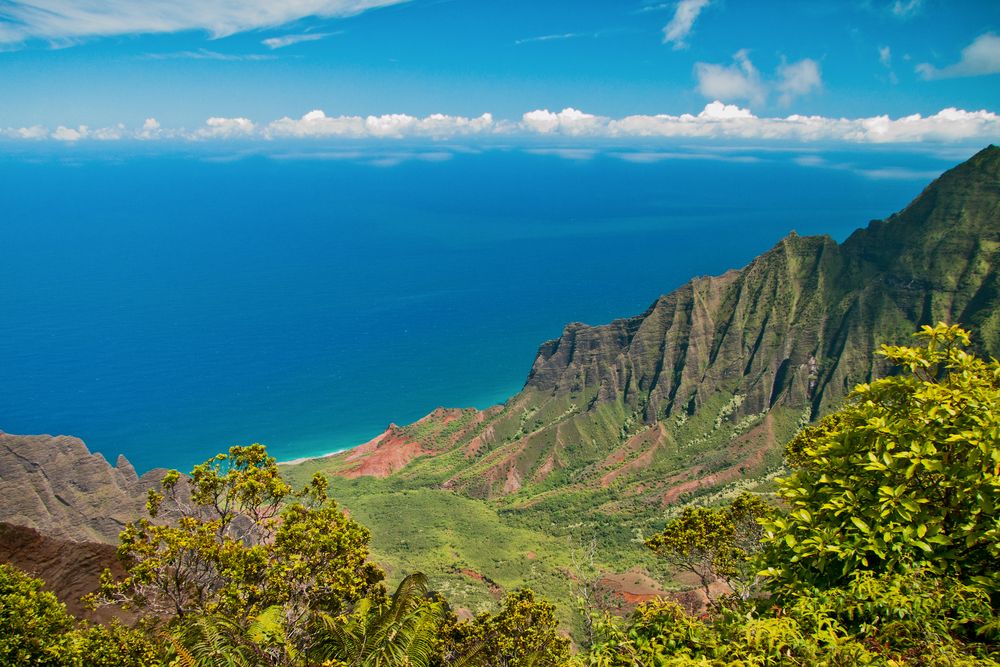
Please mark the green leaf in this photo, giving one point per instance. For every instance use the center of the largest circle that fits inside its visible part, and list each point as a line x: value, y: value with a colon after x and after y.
x: 862, y: 526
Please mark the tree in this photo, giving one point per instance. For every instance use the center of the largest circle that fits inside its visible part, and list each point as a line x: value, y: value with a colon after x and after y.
x: 115, y: 645
x: 903, y: 478
x: 245, y: 547
x: 36, y: 629
x: 887, y: 549
x: 524, y: 633
x: 34, y: 625
x: 716, y: 543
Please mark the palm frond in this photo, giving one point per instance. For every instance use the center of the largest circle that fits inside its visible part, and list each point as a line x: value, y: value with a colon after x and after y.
x: 399, y: 633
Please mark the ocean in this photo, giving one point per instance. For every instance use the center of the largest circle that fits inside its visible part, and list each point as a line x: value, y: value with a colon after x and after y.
x: 167, y: 303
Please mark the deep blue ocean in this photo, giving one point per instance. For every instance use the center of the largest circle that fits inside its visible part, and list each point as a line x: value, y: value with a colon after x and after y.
x: 167, y: 305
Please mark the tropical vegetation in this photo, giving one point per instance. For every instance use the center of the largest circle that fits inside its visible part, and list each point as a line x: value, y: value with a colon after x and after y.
x: 878, y: 546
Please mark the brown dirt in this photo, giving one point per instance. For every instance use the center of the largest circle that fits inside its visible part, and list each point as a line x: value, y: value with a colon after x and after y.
x: 632, y: 587
x: 69, y: 569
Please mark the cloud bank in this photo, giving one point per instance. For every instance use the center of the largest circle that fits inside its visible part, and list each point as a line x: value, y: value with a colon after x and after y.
x: 67, y: 20
x: 717, y: 121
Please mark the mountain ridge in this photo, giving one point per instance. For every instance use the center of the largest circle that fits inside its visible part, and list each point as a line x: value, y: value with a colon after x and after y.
x: 55, y: 485
x: 788, y: 335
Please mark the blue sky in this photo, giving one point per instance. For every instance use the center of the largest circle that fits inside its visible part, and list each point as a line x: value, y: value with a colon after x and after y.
x: 380, y: 68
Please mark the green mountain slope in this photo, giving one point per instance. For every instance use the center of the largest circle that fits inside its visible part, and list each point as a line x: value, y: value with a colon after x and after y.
x: 618, y: 424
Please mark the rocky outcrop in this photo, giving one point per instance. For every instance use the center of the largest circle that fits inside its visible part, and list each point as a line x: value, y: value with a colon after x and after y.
x: 55, y: 485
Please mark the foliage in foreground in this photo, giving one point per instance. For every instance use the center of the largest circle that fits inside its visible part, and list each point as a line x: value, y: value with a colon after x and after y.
x: 904, y: 477
x: 884, y: 554
x: 36, y: 629
x: 887, y: 551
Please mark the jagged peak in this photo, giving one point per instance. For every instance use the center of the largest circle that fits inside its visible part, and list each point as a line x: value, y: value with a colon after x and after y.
x: 967, y: 186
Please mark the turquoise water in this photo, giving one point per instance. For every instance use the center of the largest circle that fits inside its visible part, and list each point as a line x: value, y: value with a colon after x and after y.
x: 167, y: 306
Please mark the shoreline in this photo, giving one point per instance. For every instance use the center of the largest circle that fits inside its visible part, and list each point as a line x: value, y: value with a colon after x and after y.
x: 304, y: 459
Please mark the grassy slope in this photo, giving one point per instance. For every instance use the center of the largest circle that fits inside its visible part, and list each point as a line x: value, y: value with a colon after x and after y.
x: 537, y: 536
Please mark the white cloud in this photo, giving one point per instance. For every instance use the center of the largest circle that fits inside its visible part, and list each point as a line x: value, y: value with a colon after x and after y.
x: 59, y: 20
x: 906, y: 8
x: 742, y: 82
x: 225, y: 128
x: 797, y: 79
x: 739, y: 81
x: 885, y: 56
x: 33, y: 132
x: 725, y: 121
x: 549, y: 38
x: 569, y: 121
x: 206, y: 54
x: 579, y: 154
x: 576, y: 130
x: 113, y: 133
x: 150, y: 129
x: 317, y: 124
x: 680, y: 26
x: 899, y: 174
x: 646, y: 157
x: 69, y: 134
x: 288, y: 40
x: 979, y: 58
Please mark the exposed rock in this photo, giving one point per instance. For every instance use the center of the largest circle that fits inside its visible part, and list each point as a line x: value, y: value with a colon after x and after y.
x: 382, y: 455
x: 55, y: 485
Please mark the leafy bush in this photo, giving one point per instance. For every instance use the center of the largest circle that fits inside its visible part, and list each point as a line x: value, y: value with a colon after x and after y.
x: 34, y: 625
x: 36, y: 629
x: 524, y: 633
x: 904, y: 477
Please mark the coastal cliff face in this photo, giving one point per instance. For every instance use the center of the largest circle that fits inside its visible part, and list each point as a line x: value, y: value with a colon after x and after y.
x: 56, y: 486
x: 701, y: 389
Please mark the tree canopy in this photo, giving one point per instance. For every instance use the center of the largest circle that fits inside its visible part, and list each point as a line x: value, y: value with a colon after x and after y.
x: 903, y: 477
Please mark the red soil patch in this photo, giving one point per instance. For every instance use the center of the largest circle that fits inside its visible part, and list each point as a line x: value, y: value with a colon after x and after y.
x: 495, y: 590
x: 635, y: 587
x: 395, y: 448
x: 383, y: 455
x: 631, y: 587
x: 513, y: 481
x: 648, y: 438
x: 480, y: 441
x: 544, y: 469
x: 759, y: 439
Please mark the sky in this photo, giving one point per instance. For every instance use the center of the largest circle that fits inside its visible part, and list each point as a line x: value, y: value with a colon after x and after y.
x: 806, y: 71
